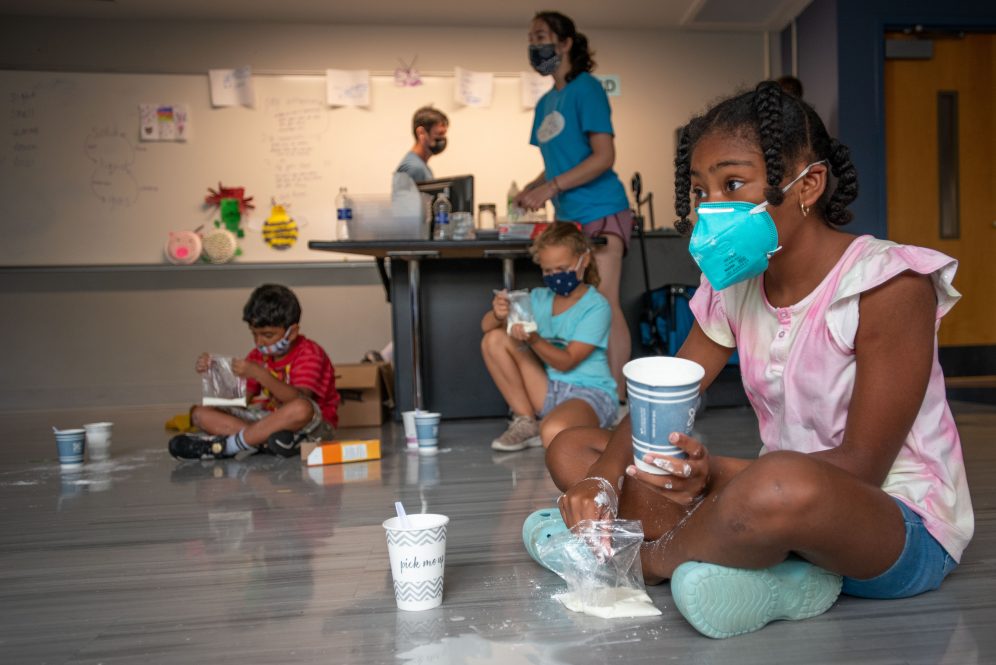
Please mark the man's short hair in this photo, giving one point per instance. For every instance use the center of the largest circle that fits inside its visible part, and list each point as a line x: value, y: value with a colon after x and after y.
x: 428, y: 118
x: 272, y: 305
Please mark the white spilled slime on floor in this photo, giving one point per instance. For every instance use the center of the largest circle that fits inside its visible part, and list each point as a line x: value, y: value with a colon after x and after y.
x: 610, y: 603
x: 472, y: 648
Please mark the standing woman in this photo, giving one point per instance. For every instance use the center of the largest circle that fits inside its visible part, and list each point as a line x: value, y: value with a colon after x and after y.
x: 573, y: 130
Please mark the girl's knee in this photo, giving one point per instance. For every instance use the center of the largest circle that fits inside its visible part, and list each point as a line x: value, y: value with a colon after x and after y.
x: 774, y: 494
x: 494, y: 341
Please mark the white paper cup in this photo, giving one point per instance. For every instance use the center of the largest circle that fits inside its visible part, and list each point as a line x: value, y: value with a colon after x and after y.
x: 411, y: 436
x: 663, y: 397
x: 418, y: 555
x: 98, y: 439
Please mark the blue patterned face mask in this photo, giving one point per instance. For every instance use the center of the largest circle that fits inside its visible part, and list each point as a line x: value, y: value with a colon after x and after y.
x: 733, y: 240
x: 564, y: 283
x: 544, y: 58
x: 278, y: 348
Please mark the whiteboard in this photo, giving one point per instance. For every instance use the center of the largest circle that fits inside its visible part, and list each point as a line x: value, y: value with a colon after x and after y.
x: 81, y: 188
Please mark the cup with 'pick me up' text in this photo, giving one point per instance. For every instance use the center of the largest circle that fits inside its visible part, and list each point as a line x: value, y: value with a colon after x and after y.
x: 663, y: 395
x: 416, y: 545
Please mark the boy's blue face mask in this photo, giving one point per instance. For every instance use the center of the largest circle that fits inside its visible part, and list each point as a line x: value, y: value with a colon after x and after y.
x: 733, y: 240
x: 278, y: 348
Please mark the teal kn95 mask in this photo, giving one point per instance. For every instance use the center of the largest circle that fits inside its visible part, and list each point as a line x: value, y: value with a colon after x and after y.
x: 733, y: 240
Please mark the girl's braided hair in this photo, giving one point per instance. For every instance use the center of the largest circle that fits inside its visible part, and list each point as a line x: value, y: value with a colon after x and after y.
x: 787, y: 129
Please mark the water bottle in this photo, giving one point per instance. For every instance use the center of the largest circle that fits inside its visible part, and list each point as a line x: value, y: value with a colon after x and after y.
x: 343, y: 214
x: 441, y: 209
x: 513, y: 212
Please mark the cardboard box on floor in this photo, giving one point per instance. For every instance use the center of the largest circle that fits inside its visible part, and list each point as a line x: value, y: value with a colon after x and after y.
x: 339, y: 452
x: 365, y: 390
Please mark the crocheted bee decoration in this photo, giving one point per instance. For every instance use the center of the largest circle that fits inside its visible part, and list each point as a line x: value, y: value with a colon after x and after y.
x: 279, y: 229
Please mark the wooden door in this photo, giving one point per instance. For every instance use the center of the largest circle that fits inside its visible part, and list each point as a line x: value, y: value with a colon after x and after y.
x: 960, y: 69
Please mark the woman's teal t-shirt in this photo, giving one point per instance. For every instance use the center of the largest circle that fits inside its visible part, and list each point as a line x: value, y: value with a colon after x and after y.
x: 588, y: 321
x: 561, y: 125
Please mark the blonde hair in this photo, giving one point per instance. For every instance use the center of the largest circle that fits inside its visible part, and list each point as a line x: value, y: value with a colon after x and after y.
x: 569, y: 235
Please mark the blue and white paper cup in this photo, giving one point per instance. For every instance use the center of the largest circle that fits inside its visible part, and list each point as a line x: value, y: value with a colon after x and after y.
x: 427, y: 430
x: 663, y: 396
x: 71, y: 445
x: 418, y: 557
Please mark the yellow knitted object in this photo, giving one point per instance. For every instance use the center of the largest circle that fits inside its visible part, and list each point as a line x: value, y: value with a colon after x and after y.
x: 180, y: 423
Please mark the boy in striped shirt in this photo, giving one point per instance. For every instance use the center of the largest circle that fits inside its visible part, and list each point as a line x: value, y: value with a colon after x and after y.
x: 290, y: 388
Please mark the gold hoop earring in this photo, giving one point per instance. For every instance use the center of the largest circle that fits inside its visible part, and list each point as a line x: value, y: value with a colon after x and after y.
x: 804, y: 209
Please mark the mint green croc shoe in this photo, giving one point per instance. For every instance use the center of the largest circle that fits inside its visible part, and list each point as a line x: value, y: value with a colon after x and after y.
x: 722, y: 602
x: 540, y: 527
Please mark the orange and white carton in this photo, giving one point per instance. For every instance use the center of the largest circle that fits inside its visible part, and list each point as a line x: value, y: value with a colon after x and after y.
x: 340, y: 452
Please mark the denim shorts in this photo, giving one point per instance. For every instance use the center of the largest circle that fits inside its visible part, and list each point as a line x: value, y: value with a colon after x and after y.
x: 921, y: 566
x: 602, y: 403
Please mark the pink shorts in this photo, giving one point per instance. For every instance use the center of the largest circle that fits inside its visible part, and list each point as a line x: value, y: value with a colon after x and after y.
x: 617, y: 224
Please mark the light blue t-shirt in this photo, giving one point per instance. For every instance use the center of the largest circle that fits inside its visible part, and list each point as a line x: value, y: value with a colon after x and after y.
x: 586, y: 321
x: 561, y: 125
x: 415, y: 166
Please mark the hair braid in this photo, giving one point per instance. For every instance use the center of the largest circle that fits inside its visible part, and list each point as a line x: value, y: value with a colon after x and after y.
x: 768, y: 107
x: 847, y: 184
x: 683, y: 181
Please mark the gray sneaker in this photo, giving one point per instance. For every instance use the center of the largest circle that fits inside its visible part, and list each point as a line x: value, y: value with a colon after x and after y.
x: 521, y: 434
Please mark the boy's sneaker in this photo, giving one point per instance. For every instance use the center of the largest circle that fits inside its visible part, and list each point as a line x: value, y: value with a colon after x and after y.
x: 189, y: 446
x: 284, y: 444
x: 522, y: 433
x: 722, y: 602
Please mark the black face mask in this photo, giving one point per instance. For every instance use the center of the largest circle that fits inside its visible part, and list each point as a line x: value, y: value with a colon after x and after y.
x: 544, y: 58
x: 437, y: 146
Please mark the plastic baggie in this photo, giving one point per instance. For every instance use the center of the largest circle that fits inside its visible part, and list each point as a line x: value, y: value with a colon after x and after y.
x: 600, y: 561
x: 221, y: 386
x: 520, y: 310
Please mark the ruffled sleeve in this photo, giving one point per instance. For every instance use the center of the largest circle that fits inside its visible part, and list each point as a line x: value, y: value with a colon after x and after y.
x: 877, y: 263
x: 710, y: 313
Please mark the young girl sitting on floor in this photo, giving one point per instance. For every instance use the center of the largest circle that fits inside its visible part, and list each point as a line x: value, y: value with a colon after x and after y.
x: 861, y: 479
x: 559, y: 372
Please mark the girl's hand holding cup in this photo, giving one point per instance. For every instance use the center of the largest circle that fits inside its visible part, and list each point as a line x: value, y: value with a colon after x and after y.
x: 686, y: 479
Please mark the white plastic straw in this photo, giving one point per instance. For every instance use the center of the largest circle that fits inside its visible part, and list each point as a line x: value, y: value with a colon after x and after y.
x: 402, y: 515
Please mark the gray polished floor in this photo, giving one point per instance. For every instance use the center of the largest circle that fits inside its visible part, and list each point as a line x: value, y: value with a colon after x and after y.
x: 141, y: 559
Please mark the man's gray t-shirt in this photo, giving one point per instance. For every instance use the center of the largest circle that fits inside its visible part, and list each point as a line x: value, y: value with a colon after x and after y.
x: 416, y: 167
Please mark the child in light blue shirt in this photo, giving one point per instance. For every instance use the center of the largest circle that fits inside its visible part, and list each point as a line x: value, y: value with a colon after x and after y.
x: 556, y: 375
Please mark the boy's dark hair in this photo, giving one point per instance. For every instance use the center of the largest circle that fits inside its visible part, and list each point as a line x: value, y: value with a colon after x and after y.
x: 428, y: 117
x: 580, y: 54
x: 272, y: 305
x: 787, y: 129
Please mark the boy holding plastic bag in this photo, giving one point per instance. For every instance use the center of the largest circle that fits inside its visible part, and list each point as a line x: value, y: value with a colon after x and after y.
x: 289, y: 384
x: 552, y: 370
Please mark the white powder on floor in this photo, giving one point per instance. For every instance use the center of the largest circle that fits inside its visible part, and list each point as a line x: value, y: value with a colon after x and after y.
x: 611, y: 603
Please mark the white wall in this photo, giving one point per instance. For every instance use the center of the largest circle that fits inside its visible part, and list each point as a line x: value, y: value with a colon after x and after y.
x: 153, y: 323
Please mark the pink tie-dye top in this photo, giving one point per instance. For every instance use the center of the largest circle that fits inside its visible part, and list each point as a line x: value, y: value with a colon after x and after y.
x: 798, y: 368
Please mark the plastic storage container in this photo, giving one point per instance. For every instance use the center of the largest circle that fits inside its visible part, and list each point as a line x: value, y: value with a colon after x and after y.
x: 374, y: 219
